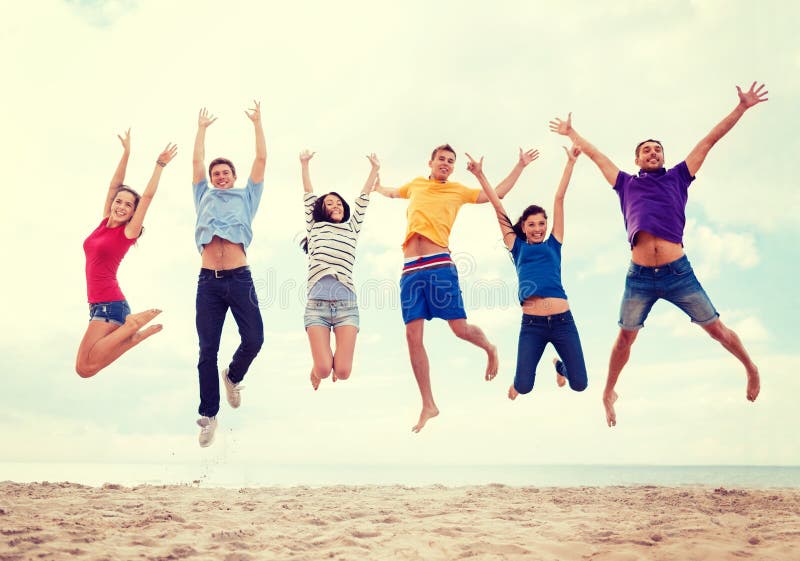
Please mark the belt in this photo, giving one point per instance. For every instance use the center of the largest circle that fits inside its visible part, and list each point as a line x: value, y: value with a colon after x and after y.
x: 223, y: 273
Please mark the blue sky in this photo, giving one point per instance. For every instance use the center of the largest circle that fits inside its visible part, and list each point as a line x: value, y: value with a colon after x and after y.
x: 349, y: 78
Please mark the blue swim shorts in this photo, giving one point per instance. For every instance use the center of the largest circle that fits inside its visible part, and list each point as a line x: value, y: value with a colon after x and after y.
x: 674, y: 282
x: 113, y: 312
x: 429, y: 289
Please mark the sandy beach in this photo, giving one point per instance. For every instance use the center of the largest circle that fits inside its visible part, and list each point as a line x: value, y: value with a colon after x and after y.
x: 68, y: 520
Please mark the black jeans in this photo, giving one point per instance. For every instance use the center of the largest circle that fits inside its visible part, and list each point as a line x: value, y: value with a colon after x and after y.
x: 216, y: 292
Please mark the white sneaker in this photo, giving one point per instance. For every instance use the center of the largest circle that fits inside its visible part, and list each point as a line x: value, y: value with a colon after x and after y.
x: 232, y: 390
x: 207, y: 427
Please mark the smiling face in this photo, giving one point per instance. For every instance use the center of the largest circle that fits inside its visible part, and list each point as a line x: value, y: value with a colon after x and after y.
x: 222, y: 176
x: 442, y: 165
x: 535, y: 228
x: 122, y: 208
x: 650, y: 156
x: 334, y: 208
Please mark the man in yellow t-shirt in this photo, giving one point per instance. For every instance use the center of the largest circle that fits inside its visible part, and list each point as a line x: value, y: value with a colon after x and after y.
x: 429, y: 285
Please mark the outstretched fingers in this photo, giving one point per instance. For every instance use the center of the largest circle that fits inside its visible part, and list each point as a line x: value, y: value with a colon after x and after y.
x: 752, y: 96
x: 527, y: 156
x: 169, y: 152
x: 561, y: 127
x: 204, y: 118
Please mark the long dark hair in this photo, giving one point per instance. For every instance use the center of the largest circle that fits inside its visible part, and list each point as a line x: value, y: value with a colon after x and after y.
x: 319, y: 214
x: 530, y: 211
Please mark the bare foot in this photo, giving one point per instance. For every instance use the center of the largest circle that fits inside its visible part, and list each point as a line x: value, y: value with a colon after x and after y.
x: 608, y: 402
x: 427, y: 413
x: 512, y: 392
x: 560, y: 380
x: 315, y: 380
x: 753, y: 384
x: 143, y: 334
x: 141, y: 319
x: 493, y: 364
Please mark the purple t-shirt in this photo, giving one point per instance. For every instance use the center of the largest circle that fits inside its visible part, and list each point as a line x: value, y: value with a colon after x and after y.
x: 655, y: 202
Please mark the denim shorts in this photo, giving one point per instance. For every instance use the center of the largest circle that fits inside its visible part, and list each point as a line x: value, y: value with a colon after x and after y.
x: 331, y: 313
x: 431, y: 293
x: 113, y: 312
x: 674, y: 282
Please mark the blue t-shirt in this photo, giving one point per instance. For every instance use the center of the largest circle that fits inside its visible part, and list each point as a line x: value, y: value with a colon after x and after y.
x: 538, y: 268
x: 227, y: 213
x: 655, y: 202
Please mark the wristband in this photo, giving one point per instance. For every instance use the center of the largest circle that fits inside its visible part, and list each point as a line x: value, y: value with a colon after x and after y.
x: 162, y: 164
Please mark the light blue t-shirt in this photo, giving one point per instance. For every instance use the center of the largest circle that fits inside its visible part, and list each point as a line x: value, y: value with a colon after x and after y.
x: 538, y: 268
x: 227, y: 213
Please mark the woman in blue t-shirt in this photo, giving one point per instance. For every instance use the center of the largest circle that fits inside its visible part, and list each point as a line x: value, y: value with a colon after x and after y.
x: 546, y: 317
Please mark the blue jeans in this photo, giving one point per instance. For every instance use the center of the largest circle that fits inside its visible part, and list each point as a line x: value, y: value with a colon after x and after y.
x: 674, y: 282
x: 534, y: 334
x: 216, y: 292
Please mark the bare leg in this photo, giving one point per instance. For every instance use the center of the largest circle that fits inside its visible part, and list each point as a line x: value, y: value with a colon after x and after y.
x: 319, y: 338
x: 512, y: 392
x: 560, y: 380
x: 422, y: 371
x: 105, y: 342
x: 728, y: 338
x: 620, y: 354
x: 475, y: 335
x: 345, y: 347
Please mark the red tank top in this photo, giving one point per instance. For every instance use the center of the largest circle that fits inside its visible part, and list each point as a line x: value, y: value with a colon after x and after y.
x: 105, y: 248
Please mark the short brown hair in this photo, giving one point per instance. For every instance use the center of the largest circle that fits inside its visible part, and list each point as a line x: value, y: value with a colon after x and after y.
x: 443, y: 147
x: 648, y: 140
x: 218, y: 161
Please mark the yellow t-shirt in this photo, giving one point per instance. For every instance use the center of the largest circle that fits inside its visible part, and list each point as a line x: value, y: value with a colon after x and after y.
x: 433, y: 207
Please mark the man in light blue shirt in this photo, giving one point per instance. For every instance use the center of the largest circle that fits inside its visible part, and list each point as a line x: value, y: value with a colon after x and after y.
x: 223, y: 232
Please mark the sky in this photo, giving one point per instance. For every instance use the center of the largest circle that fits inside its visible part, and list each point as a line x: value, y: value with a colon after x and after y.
x: 348, y: 78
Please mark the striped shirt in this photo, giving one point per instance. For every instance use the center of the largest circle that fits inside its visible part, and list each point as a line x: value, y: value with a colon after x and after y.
x: 332, y: 245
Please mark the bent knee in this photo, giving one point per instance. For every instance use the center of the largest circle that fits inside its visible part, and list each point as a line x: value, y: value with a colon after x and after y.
x: 625, y: 338
x: 717, y: 330
x: 342, y: 373
x: 84, y: 371
x: 523, y: 388
x: 578, y: 386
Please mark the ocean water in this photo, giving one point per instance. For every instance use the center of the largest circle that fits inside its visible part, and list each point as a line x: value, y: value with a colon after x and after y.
x: 207, y: 474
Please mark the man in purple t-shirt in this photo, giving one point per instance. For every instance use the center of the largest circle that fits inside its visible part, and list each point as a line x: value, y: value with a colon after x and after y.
x: 653, y: 203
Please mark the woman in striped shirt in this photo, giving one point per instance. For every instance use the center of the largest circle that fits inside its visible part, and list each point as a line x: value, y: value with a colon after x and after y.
x: 332, y: 234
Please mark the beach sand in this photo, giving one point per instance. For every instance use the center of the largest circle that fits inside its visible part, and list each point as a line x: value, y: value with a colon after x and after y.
x: 70, y: 521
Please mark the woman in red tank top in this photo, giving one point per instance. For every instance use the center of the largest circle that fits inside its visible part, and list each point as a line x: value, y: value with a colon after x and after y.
x: 112, y: 328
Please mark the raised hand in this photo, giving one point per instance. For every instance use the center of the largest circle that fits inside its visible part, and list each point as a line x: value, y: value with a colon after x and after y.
x: 374, y: 161
x: 475, y: 167
x: 167, y: 154
x: 527, y: 157
x: 572, y: 152
x: 204, y: 118
x: 126, y: 140
x: 562, y: 127
x: 753, y: 96
x: 254, y: 113
x: 306, y: 155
